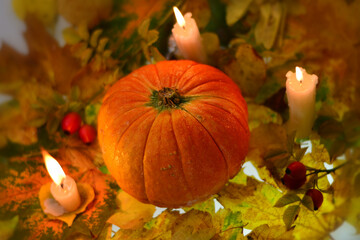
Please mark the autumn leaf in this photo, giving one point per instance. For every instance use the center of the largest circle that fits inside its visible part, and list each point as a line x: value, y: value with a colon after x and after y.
x: 193, y: 225
x: 211, y: 43
x: 27, y: 176
x: 287, y: 199
x: 229, y: 224
x: 7, y: 227
x: 290, y: 214
x: 205, y: 206
x: 248, y: 70
x: 271, y: 233
x: 57, y: 63
x: 200, y: 11
x: 14, y: 126
x: 310, y: 224
x: 235, y: 10
x: 259, y: 114
x: 90, y: 12
x: 159, y: 227
x: 143, y: 10
x: 46, y: 11
x: 254, y: 200
x: 268, y: 151
x: 132, y: 214
x: 268, y: 26
x: 80, y: 155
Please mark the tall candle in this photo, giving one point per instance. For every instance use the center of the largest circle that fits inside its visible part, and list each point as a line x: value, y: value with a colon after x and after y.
x: 64, y: 188
x: 301, y: 91
x: 187, y: 37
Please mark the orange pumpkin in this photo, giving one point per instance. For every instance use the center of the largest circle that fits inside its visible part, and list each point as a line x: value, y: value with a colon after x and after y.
x: 173, y: 133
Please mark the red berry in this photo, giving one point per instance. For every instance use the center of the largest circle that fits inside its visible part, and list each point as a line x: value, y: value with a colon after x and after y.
x: 296, y: 170
x: 71, y: 123
x: 316, y: 197
x: 87, y: 133
x: 293, y: 183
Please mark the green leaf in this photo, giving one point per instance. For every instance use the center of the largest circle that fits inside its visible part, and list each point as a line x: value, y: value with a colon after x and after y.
x: 287, y: 199
x: 104, y: 169
x: 204, y: 206
x: 290, y: 215
x: 7, y: 227
x: 308, y: 202
x: 95, y: 37
x: 91, y: 112
x: 144, y: 27
x: 232, y: 219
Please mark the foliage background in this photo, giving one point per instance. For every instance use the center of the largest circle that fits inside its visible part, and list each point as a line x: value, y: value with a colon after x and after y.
x: 255, y: 42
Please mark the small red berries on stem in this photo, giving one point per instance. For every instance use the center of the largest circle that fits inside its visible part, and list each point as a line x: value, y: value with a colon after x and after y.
x: 293, y: 183
x: 87, y: 134
x: 316, y: 197
x: 295, y: 175
x: 71, y: 123
x: 296, y: 170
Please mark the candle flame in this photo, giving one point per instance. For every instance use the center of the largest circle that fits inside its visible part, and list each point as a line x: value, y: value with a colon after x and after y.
x: 53, y: 167
x: 299, y: 74
x: 179, y: 17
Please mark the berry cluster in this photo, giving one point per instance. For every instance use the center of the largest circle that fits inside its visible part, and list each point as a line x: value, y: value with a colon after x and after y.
x: 71, y: 123
x: 295, y: 177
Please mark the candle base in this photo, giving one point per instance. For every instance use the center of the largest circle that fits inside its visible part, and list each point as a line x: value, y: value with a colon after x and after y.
x: 55, y: 211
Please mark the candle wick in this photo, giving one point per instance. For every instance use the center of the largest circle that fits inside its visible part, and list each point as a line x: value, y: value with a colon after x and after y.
x: 62, y: 184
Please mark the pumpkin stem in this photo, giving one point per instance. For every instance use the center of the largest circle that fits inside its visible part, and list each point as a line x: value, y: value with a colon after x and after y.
x: 168, y: 97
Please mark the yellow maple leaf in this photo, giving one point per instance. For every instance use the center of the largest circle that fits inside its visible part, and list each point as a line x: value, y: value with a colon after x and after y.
x: 132, y: 214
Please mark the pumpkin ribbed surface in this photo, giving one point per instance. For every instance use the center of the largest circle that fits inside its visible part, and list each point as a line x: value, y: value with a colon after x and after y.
x: 173, y: 133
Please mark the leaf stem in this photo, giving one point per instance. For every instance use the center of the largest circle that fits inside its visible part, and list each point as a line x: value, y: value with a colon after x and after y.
x: 326, y: 171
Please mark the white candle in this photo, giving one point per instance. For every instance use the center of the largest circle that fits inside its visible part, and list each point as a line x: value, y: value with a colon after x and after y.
x: 301, y: 91
x: 187, y: 37
x: 64, y: 188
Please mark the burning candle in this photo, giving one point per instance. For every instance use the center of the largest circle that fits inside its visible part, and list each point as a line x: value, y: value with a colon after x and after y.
x: 64, y: 188
x: 187, y: 37
x: 301, y: 91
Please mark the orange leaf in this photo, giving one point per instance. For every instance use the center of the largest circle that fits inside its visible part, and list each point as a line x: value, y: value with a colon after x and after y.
x: 20, y: 183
